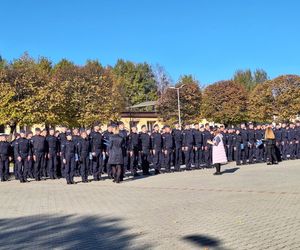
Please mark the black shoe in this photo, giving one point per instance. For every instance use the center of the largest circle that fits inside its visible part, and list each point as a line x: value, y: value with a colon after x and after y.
x: 269, y: 163
x: 217, y: 173
x: 156, y: 172
x: 136, y: 175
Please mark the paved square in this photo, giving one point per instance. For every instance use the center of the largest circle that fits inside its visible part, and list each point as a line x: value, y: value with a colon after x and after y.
x: 253, y: 207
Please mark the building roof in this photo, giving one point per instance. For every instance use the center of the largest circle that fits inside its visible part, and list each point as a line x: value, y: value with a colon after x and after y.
x: 144, y: 104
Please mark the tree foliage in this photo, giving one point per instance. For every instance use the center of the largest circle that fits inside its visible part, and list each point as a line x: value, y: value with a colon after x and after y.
x: 190, y: 101
x: 250, y: 79
x: 225, y: 102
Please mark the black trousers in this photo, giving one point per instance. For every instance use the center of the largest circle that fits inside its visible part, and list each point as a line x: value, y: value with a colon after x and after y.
x: 157, y: 159
x: 218, y: 167
x: 97, y: 166
x: 52, y: 165
x: 198, y: 157
x: 145, y: 162
x: 271, y: 154
x: 38, y: 163
x: 188, y: 156
x: 4, y: 167
x: 23, y: 169
x: 134, y: 160
x: 167, y: 159
x: 177, y: 158
x: 84, y: 167
x: 70, y: 168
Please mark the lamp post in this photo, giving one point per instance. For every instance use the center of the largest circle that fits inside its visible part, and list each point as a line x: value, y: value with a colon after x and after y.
x: 178, y: 102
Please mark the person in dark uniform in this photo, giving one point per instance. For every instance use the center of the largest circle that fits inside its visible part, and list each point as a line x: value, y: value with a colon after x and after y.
x: 245, y: 141
x: 133, y: 148
x: 30, y: 162
x: 238, y: 144
x: 97, y: 149
x: 177, y: 135
x: 230, y: 145
x: 90, y: 165
x: 13, y: 143
x: 69, y: 149
x: 187, y: 145
x: 116, y: 151
x: 145, y: 146
x: 259, y: 149
x: 251, y: 143
x: 84, y: 149
x: 167, y: 148
x: 23, y: 152
x: 52, y: 153
x: 207, y: 153
x: 292, y: 140
x: 38, y: 151
x: 124, y: 133
x: 105, y: 154
x: 76, y: 138
x: 156, y: 141
x: 297, y: 141
x: 5, y: 157
x: 62, y: 140
x: 278, y: 140
x: 44, y: 170
x: 284, y: 141
x: 198, y: 146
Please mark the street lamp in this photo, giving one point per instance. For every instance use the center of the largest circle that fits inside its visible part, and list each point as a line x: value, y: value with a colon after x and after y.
x: 178, y: 102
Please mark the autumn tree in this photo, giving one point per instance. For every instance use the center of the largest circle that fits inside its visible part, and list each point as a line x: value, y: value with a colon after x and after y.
x: 225, y: 102
x: 261, y: 106
x: 190, y: 101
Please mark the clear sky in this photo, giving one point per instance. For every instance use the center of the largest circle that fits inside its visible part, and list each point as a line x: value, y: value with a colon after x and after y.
x: 209, y: 39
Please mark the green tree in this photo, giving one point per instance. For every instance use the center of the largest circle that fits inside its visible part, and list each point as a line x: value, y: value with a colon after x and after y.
x: 250, y: 79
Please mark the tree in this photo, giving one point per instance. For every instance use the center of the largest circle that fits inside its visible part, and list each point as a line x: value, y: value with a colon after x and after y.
x: 225, y: 102
x: 286, y: 92
x: 162, y: 79
x: 138, y: 82
x: 190, y: 101
x: 250, y: 79
x: 261, y: 107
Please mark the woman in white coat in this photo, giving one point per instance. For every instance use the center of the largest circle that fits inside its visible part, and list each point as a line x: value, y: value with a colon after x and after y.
x: 218, y: 151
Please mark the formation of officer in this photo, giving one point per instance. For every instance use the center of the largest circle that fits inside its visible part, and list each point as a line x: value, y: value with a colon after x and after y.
x: 92, y: 152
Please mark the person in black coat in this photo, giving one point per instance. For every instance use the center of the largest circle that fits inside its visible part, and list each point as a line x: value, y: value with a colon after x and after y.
x: 69, y: 150
x: 5, y: 157
x: 116, y: 151
x: 52, y: 153
x: 84, y: 149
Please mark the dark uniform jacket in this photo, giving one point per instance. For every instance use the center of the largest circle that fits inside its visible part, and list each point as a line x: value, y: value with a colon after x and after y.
x: 167, y: 141
x: 83, y: 147
x: 69, y: 149
x: 177, y: 134
x: 52, y: 144
x: 187, y: 138
x: 38, y: 144
x: 22, y: 148
x: 133, y: 141
x: 5, y: 150
x: 145, y: 143
x: 156, y: 141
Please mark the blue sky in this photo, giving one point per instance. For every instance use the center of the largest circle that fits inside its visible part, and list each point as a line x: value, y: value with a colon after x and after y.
x: 209, y: 39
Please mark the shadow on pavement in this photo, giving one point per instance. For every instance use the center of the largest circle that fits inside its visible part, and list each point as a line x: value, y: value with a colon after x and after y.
x: 204, y: 241
x: 230, y: 171
x: 65, y: 232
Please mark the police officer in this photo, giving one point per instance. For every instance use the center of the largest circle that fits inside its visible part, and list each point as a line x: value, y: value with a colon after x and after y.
x: 105, y: 155
x: 23, y: 152
x: 97, y: 149
x: 69, y: 150
x: 245, y: 141
x: 167, y: 148
x: 52, y: 153
x: 177, y: 135
x: 133, y: 147
x: 230, y: 145
x: 198, y: 146
x: 5, y: 157
x: 251, y: 143
x: 13, y: 143
x: 187, y: 145
x: 145, y: 146
x: 259, y: 136
x: 62, y: 140
x: 84, y: 149
x: 44, y: 171
x: 30, y: 162
x: 207, y: 136
x: 39, y: 149
x: 238, y: 146
x: 156, y: 141
x: 124, y: 134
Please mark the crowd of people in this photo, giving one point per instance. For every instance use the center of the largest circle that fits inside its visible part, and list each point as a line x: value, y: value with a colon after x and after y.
x: 51, y: 154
